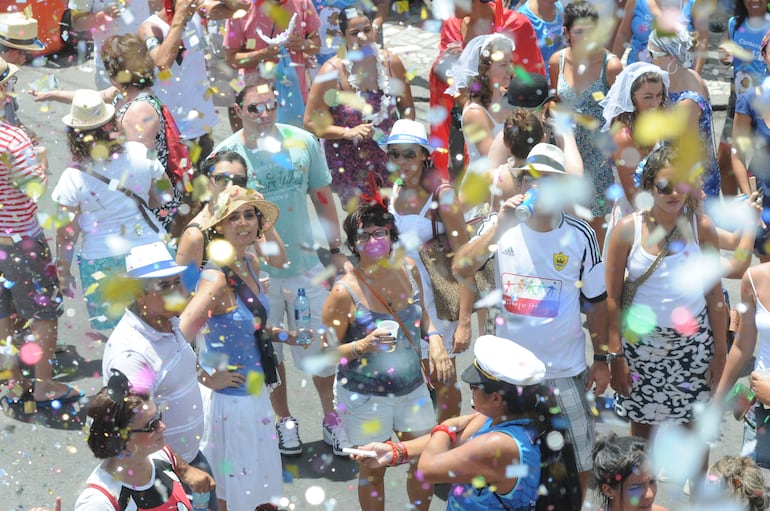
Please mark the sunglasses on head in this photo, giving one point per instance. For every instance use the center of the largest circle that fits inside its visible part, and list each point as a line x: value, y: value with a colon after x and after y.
x: 151, y: 426
x: 223, y: 179
x: 409, y: 154
x: 260, y: 108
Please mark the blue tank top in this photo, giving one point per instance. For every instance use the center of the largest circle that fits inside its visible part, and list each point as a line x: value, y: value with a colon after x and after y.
x: 394, y: 373
x: 548, y: 32
x: 524, y: 494
x: 230, y: 343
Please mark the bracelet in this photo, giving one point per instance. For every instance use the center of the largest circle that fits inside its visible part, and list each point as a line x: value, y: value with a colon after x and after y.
x: 608, y: 357
x: 444, y: 428
x: 399, y: 453
x: 433, y: 332
x: 356, y: 354
x: 335, y: 250
x: 394, y: 453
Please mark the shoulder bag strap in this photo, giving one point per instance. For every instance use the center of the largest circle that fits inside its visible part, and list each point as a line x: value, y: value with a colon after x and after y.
x: 659, y: 259
x: 106, y: 493
x: 377, y: 295
x: 434, y: 215
x: 140, y: 202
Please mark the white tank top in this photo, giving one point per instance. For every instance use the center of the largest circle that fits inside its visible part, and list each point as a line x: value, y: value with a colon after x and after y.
x: 762, y: 320
x: 662, y: 292
x: 497, y: 127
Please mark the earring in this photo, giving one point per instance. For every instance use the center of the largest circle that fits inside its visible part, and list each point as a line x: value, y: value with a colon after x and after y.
x: 668, y: 67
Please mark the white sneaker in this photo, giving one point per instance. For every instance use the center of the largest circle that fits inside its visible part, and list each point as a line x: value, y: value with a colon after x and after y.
x: 288, y: 436
x: 335, y: 436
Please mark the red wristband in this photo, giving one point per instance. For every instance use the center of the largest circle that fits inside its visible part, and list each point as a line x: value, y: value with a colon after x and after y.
x: 394, y: 453
x: 445, y: 429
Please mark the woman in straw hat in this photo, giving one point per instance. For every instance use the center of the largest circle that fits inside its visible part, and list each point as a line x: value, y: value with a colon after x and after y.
x: 237, y: 353
x: 515, y: 424
x: 103, y: 195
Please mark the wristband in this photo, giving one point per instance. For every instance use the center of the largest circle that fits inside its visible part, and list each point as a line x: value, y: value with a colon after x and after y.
x: 335, y: 250
x: 444, y: 428
x: 394, y: 453
x: 608, y: 357
x: 433, y: 332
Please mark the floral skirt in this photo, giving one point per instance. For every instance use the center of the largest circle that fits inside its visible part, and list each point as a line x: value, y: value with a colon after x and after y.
x: 668, y: 373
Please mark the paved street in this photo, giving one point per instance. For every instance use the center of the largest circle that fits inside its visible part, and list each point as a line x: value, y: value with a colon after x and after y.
x: 38, y: 463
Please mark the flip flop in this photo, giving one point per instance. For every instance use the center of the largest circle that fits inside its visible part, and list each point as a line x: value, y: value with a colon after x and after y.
x: 70, y: 396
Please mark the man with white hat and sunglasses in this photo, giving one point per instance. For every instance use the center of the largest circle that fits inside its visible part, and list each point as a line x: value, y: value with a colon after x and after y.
x: 148, y: 347
x: 548, y: 264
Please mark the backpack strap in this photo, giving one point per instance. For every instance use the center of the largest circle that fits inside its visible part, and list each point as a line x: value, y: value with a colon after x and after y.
x: 106, y: 493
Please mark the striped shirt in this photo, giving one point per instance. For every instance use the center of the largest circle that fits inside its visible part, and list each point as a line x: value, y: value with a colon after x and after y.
x: 19, y: 168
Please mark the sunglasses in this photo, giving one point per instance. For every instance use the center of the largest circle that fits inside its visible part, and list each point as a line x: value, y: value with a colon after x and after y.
x: 260, y: 108
x: 363, y: 236
x: 151, y: 426
x: 656, y: 54
x: 666, y: 188
x: 164, y: 286
x: 223, y: 179
x: 409, y: 154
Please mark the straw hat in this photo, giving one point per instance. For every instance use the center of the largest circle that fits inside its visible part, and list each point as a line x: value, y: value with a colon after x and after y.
x: 232, y: 198
x: 88, y: 110
x: 7, y: 70
x: 20, y: 32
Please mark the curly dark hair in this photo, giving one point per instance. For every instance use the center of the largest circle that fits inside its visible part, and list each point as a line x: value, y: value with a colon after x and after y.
x: 661, y: 157
x: 352, y: 12
x: 522, y: 131
x: 207, y: 167
x: 83, y: 142
x: 479, y: 88
x: 109, y: 432
x: 127, y: 61
x: 616, y: 458
x: 367, y: 215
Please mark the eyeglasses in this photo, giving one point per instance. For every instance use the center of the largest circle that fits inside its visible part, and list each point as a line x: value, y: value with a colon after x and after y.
x: 363, y: 236
x: 151, y: 426
x: 246, y: 215
x: 409, y: 154
x: 666, y: 188
x: 260, y: 108
x: 223, y: 179
x: 656, y: 54
x: 164, y: 286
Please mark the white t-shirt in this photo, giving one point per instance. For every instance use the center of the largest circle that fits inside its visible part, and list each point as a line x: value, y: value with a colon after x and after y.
x: 109, y: 220
x: 542, y: 276
x: 165, y: 365
x: 131, y: 17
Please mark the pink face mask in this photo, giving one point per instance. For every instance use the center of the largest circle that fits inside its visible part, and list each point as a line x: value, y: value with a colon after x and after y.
x: 377, y: 249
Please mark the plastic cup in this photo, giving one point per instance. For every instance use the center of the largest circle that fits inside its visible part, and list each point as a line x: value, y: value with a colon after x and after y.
x: 392, y: 328
x: 264, y: 281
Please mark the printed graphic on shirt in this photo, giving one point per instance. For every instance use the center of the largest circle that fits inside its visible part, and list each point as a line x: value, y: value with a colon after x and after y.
x: 531, y: 296
x: 560, y: 261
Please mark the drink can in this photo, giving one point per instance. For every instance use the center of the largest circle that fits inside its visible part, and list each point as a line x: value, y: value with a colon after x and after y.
x: 525, y: 210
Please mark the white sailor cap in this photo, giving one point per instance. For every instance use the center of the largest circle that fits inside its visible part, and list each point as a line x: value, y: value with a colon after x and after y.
x: 501, y: 361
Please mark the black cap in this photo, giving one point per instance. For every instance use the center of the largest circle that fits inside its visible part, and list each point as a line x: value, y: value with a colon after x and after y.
x: 529, y: 91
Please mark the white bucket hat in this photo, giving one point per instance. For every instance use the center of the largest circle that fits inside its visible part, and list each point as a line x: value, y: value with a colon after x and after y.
x: 406, y: 131
x: 151, y: 261
x: 88, y: 110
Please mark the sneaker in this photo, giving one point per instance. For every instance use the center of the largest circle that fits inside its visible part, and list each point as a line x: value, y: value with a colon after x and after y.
x: 288, y: 436
x: 335, y: 436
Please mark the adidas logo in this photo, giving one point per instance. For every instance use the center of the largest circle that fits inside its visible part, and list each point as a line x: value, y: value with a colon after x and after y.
x: 508, y: 251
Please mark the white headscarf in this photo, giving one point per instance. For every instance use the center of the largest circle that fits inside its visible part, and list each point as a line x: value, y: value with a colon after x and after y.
x: 467, y: 66
x: 679, y: 45
x: 618, y: 99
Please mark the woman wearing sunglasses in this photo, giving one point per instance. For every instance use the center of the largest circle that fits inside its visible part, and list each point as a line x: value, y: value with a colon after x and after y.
x: 138, y: 471
x: 380, y: 386
x: 236, y: 358
x: 674, y: 330
x: 225, y: 170
x: 418, y: 197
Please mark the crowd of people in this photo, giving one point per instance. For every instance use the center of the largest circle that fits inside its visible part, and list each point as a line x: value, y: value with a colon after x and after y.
x: 566, y: 180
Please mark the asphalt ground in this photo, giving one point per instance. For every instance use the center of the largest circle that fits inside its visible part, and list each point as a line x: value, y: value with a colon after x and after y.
x: 39, y: 462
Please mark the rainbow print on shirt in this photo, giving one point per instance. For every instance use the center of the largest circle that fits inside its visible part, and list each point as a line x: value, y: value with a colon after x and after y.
x: 531, y: 296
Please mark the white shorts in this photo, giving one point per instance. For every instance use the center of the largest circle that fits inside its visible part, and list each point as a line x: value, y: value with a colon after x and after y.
x: 281, y: 293
x: 368, y: 418
x: 240, y: 444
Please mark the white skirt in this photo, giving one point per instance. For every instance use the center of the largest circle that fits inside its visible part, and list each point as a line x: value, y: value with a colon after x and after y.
x: 240, y: 443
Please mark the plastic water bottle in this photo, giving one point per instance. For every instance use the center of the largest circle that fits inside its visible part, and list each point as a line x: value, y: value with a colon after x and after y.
x: 200, y: 501
x: 524, y: 210
x: 302, y: 317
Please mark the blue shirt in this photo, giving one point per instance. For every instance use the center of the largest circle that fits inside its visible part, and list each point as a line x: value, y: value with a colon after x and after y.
x: 748, y: 73
x: 548, y: 32
x: 524, y: 494
x: 641, y: 25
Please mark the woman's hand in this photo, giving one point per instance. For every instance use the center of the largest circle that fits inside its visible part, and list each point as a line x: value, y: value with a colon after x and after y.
x: 439, y: 362
x: 462, y: 337
x: 383, y: 459
x: 362, y: 131
x: 224, y: 380
x: 620, y: 379
x: 290, y: 337
x: 760, y: 384
x: 378, y: 339
x: 725, y: 57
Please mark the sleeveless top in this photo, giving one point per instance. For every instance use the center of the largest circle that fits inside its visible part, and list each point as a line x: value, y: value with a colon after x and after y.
x: 230, y: 341
x: 762, y: 320
x: 497, y: 127
x: 595, y: 162
x: 523, y: 496
x: 711, y: 179
x: 393, y: 373
x: 671, y: 287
